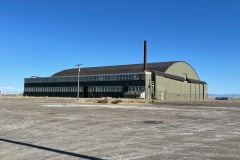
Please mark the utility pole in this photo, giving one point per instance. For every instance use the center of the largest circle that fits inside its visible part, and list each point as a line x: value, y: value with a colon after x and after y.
x: 78, y: 65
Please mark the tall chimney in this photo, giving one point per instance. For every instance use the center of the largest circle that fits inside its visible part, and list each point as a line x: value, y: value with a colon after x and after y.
x: 145, y: 56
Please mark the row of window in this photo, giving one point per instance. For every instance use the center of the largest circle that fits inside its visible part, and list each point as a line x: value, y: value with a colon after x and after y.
x: 136, y: 88
x: 74, y: 89
x: 105, y: 89
x: 52, y: 89
x: 112, y: 77
x: 89, y: 89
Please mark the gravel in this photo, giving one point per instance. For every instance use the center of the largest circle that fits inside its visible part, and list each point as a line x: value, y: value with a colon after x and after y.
x: 61, y: 128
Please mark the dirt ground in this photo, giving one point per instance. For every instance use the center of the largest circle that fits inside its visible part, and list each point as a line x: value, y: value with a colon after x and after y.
x: 61, y: 128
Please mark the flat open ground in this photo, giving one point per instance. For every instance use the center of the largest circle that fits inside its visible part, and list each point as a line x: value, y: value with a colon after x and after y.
x: 55, y: 128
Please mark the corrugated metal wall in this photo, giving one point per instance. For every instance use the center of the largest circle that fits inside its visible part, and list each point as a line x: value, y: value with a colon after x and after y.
x: 169, y: 89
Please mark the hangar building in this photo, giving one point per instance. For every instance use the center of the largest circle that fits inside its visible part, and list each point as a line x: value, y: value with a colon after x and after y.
x: 176, y: 80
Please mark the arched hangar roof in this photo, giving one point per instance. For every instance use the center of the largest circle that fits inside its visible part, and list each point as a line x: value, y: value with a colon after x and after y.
x: 181, y: 71
x: 130, y: 68
x: 178, y: 70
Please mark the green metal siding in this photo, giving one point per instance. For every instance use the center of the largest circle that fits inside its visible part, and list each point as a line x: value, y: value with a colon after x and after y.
x: 168, y: 89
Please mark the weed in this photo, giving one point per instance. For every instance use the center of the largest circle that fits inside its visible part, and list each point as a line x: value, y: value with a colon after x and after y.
x: 117, y: 101
x: 105, y: 100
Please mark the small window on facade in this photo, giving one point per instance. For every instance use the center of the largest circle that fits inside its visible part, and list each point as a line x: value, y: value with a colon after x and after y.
x: 127, y: 77
x: 100, y: 78
x: 124, y: 77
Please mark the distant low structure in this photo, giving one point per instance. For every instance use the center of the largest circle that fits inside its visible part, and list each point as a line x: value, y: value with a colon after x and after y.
x: 176, y: 80
x: 222, y: 98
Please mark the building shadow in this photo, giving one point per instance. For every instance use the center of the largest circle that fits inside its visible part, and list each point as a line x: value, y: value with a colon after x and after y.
x: 51, y: 149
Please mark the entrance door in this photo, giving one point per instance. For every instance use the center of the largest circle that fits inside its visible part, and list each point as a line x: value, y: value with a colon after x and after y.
x: 85, y: 92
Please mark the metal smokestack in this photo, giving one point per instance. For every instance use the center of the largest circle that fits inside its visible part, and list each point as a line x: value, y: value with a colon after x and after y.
x: 145, y: 56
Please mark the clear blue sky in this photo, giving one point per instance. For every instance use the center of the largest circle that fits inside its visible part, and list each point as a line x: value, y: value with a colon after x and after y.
x: 42, y: 37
